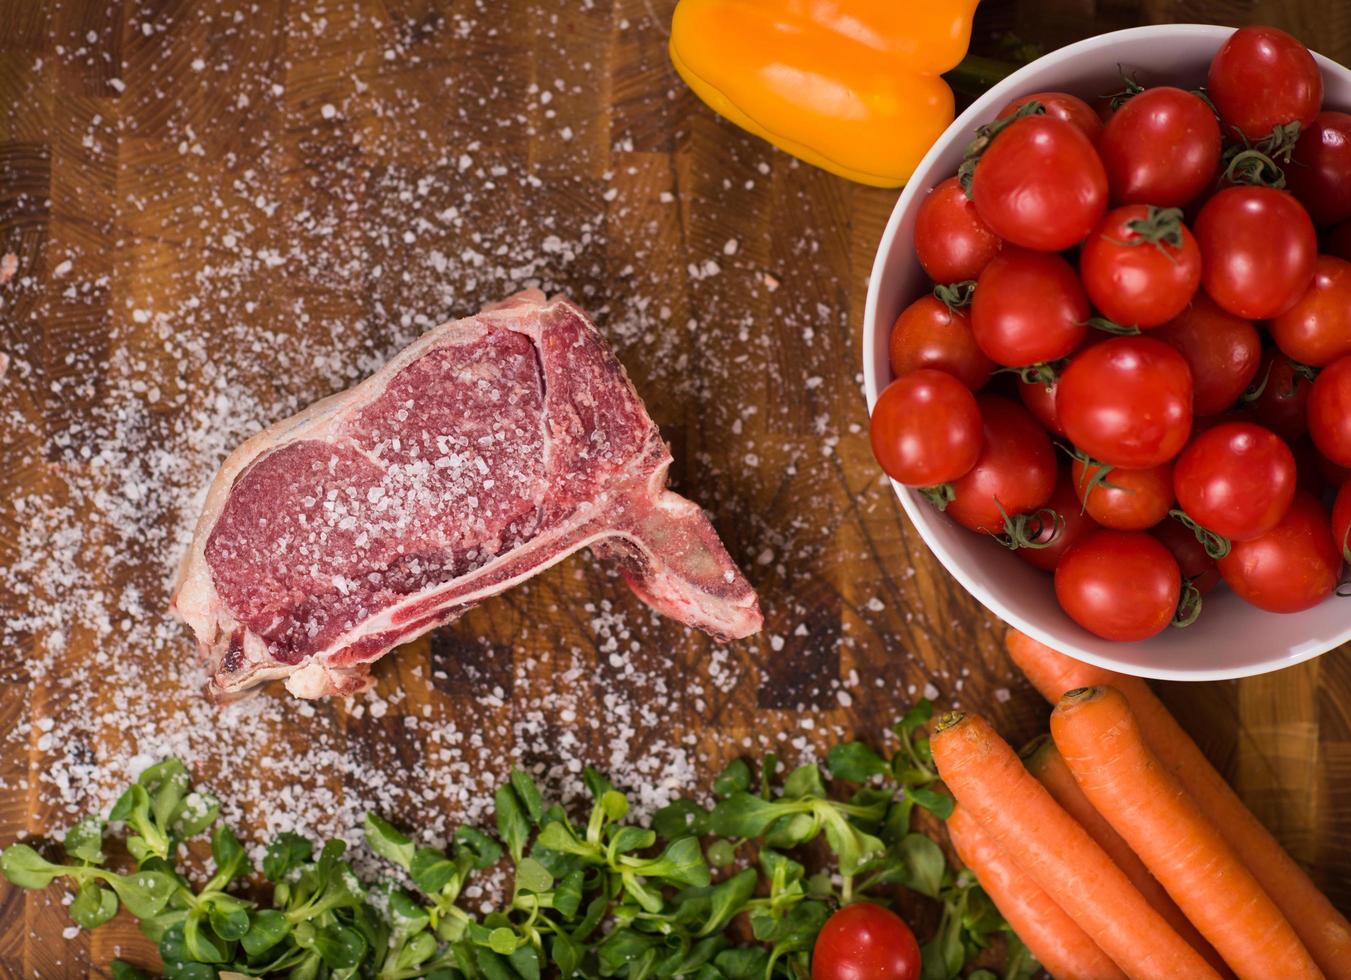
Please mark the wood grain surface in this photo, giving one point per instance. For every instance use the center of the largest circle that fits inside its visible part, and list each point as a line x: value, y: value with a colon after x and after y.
x: 155, y: 155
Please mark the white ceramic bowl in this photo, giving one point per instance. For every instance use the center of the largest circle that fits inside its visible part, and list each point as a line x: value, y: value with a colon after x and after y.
x: 1231, y: 639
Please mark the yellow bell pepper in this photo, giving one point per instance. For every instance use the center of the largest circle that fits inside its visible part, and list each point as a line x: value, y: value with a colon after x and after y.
x: 853, y: 86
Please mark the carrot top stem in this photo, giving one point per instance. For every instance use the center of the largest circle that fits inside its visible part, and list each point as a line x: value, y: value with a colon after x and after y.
x: 948, y: 719
x: 1030, y: 751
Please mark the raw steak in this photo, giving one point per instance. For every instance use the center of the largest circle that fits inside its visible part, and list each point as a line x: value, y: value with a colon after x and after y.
x: 492, y: 448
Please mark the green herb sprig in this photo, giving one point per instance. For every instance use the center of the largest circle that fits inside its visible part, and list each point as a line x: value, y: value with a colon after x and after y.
x: 732, y: 892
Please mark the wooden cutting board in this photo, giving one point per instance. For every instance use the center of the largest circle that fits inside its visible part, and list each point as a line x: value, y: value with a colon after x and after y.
x: 216, y: 207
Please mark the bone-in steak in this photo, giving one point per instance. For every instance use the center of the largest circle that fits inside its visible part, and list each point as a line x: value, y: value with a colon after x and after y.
x: 492, y: 448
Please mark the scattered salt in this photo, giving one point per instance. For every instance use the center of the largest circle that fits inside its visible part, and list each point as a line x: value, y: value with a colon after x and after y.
x: 284, y: 285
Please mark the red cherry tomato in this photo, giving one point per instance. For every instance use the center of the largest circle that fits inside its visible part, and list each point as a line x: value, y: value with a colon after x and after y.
x: 1282, y: 400
x: 926, y: 428
x: 1258, y: 250
x: 865, y: 942
x: 1122, y: 499
x: 1061, y: 105
x: 928, y: 334
x: 1317, y: 329
x: 1222, y: 350
x: 1341, y: 522
x: 1015, y: 474
x: 1028, y: 308
x: 1040, y: 184
x: 1120, y: 585
x: 1263, y: 78
x: 1039, y: 397
x: 1292, y: 567
x: 1127, y: 402
x: 1330, y: 411
x: 951, y: 241
x: 1058, y: 536
x: 1319, y: 173
x: 1236, y: 479
x: 1162, y: 147
x: 1197, y: 567
x: 1140, y: 265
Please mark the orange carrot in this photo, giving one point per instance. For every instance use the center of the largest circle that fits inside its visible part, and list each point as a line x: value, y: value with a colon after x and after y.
x: 1044, y: 761
x: 1324, y: 931
x: 1052, y: 673
x: 1101, y: 743
x: 988, y: 779
x: 1052, y: 936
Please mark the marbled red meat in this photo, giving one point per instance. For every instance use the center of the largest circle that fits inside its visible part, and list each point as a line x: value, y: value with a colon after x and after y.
x: 491, y: 448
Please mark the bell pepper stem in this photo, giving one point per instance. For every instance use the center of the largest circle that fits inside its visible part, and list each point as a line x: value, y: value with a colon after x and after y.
x: 975, y: 74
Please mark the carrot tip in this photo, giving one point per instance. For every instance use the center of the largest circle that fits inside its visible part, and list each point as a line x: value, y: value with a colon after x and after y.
x: 949, y: 719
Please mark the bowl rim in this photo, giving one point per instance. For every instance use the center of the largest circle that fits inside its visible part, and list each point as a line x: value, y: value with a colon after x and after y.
x: 979, y: 111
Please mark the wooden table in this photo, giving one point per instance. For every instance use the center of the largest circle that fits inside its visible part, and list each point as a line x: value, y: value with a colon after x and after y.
x: 224, y: 210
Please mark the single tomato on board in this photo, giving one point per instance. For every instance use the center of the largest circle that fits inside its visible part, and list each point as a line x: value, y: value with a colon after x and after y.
x: 1040, y: 184
x: 926, y: 428
x: 865, y: 942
